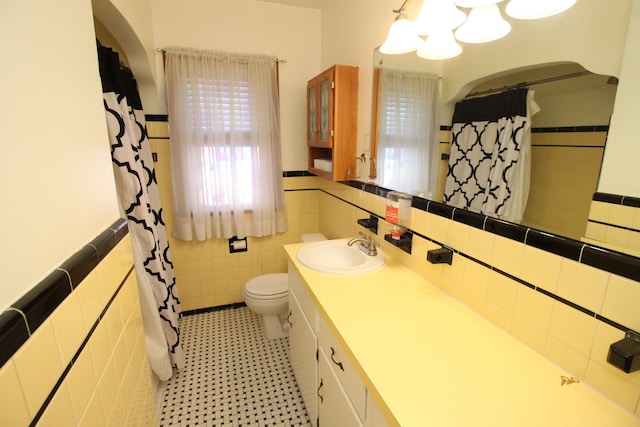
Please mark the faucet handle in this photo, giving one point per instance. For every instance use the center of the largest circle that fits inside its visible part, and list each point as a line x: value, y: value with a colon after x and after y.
x: 364, y: 235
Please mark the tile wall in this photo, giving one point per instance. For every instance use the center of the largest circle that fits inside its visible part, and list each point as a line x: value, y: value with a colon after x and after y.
x: 206, y: 273
x: 558, y: 296
x: 566, y: 301
x: 565, y: 166
x: 72, y: 350
x: 614, y: 221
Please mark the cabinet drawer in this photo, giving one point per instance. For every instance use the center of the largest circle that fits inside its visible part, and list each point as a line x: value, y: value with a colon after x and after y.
x: 304, y: 299
x: 342, y: 366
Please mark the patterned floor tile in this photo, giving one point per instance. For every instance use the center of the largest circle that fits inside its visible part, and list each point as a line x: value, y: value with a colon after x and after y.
x: 234, y: 376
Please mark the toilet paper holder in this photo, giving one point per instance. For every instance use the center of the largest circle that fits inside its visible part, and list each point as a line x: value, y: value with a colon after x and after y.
x: 237, y: 245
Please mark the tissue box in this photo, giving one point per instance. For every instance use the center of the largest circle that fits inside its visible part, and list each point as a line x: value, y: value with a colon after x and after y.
x: 323, y: 164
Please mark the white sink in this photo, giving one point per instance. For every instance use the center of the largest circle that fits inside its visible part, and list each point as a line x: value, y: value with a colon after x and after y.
x: 336, y: 257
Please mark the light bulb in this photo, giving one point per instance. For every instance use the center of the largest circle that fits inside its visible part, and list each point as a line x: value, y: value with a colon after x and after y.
x: 402, y: 37
x: 440, y: 45
x: 484, y: 24
x: 436, y: 15
x: 534, y: 9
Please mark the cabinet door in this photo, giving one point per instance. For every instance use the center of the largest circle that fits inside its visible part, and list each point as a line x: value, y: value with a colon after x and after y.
x: 312, y: 113
x: 375, y: 417
x: 326, y: 111
x: 349, y: 379
x: 320, y: 110
x: 302, y: 354
x: 334, y: 406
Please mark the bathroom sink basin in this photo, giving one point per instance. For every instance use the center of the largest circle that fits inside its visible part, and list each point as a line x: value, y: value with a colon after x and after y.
x: 336, y: 257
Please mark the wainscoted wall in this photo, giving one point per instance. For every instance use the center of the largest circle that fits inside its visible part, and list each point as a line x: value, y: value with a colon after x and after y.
x: 565, y: 166
x: 566, y: 300
x: 553, y: 294
x: 72, y: 350
x: 614, y: 222
x: 206, y: 273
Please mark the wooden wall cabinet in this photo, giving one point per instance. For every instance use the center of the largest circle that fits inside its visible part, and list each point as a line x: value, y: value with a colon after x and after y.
x: 332, y: 122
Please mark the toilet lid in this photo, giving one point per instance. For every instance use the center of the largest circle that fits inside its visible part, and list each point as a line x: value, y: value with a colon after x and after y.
x: 268, y: 284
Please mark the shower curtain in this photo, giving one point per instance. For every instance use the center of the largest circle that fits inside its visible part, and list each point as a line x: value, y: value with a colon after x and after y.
x: 139, y: 200
x: 490, y: 162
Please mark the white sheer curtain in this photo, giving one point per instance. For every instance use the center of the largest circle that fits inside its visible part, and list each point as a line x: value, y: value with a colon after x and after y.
x: 224, y: 120
x: 409, y: 130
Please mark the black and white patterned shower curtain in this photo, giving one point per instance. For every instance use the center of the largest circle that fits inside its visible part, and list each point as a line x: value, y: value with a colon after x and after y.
x: 139, y: 199
x: 490, y: 154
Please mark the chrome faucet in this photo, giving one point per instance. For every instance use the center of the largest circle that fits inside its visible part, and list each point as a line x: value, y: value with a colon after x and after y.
x: 367, y: 244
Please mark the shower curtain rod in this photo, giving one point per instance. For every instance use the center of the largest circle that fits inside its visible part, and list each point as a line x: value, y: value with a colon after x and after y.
x: 284, y: 61
x: 526, y: 84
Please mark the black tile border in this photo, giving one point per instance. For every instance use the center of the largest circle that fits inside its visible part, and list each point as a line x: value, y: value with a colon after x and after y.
x: 562, y: 246
x: 24, y: 316
x: 604, y: 259
x: 156, y: 117
x: 13, y: 333
x: 564, y: 129
x: 293, y: 174
x: 214, y: 308
x: 41, y: 300
x: 617, y: 199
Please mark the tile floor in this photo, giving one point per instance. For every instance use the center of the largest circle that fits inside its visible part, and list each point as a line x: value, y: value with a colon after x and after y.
x: 234, y: 376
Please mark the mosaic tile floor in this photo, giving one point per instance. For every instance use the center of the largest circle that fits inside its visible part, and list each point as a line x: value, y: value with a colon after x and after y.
x: 234, y: 376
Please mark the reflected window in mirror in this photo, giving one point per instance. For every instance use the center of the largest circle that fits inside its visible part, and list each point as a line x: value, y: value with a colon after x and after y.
x: 408, y: 131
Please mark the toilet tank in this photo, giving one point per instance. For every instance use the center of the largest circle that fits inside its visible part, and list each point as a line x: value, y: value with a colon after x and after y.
x: 312, y: 237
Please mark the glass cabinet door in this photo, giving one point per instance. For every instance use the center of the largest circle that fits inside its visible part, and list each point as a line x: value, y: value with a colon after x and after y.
x: 313, y: 114
x: 324, y: 111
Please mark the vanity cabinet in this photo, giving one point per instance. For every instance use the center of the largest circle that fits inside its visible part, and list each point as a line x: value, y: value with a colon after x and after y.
x: 303, y: 345
x: 332, y: 122
x: 332, y: 390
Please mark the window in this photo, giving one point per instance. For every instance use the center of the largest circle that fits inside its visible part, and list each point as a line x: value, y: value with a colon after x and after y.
x: 225, y: 139
x: 408, y: 131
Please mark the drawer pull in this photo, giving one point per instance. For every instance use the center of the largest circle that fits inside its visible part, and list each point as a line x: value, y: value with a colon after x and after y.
x: 319, y: 395
x: 333, y: 352
x: 289, y: 319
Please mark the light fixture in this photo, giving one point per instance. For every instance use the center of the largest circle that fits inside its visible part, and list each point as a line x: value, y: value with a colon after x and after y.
x: 534, y: 9
x: 437, y: 15
x: 440, y: 45
x: 484, y: 24
x: 475, y: 3
x: 402, y: 36
x: 438, y: 18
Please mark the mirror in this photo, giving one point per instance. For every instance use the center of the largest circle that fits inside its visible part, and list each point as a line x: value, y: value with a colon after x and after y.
x: 568, y: 137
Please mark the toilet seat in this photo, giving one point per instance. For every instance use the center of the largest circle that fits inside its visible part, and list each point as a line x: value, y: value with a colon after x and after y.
x: 268, y: 286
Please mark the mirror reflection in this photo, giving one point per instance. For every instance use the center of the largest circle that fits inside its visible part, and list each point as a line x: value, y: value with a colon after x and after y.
x: 568, y: 136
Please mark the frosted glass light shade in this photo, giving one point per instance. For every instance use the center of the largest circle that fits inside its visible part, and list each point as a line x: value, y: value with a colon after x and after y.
x: 534, y: 9
x: 475, y: 3
x: 436, y: 15
x: 402, y: 37
x: 484, y: 24
x: 440, y: 45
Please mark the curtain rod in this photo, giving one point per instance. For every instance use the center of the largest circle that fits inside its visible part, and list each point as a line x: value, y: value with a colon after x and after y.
x: 526, y: 84
x: 284, y: 61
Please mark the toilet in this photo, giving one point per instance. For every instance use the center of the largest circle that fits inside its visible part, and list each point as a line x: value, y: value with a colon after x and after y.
x: 268, y: 296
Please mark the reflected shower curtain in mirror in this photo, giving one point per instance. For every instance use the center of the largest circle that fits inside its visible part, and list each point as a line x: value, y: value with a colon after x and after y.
x: 489, y: 164
x: 408, y: 131
x: 139, y: 200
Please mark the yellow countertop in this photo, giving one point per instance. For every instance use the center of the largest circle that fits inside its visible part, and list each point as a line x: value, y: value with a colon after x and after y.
x: 429, y: 360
